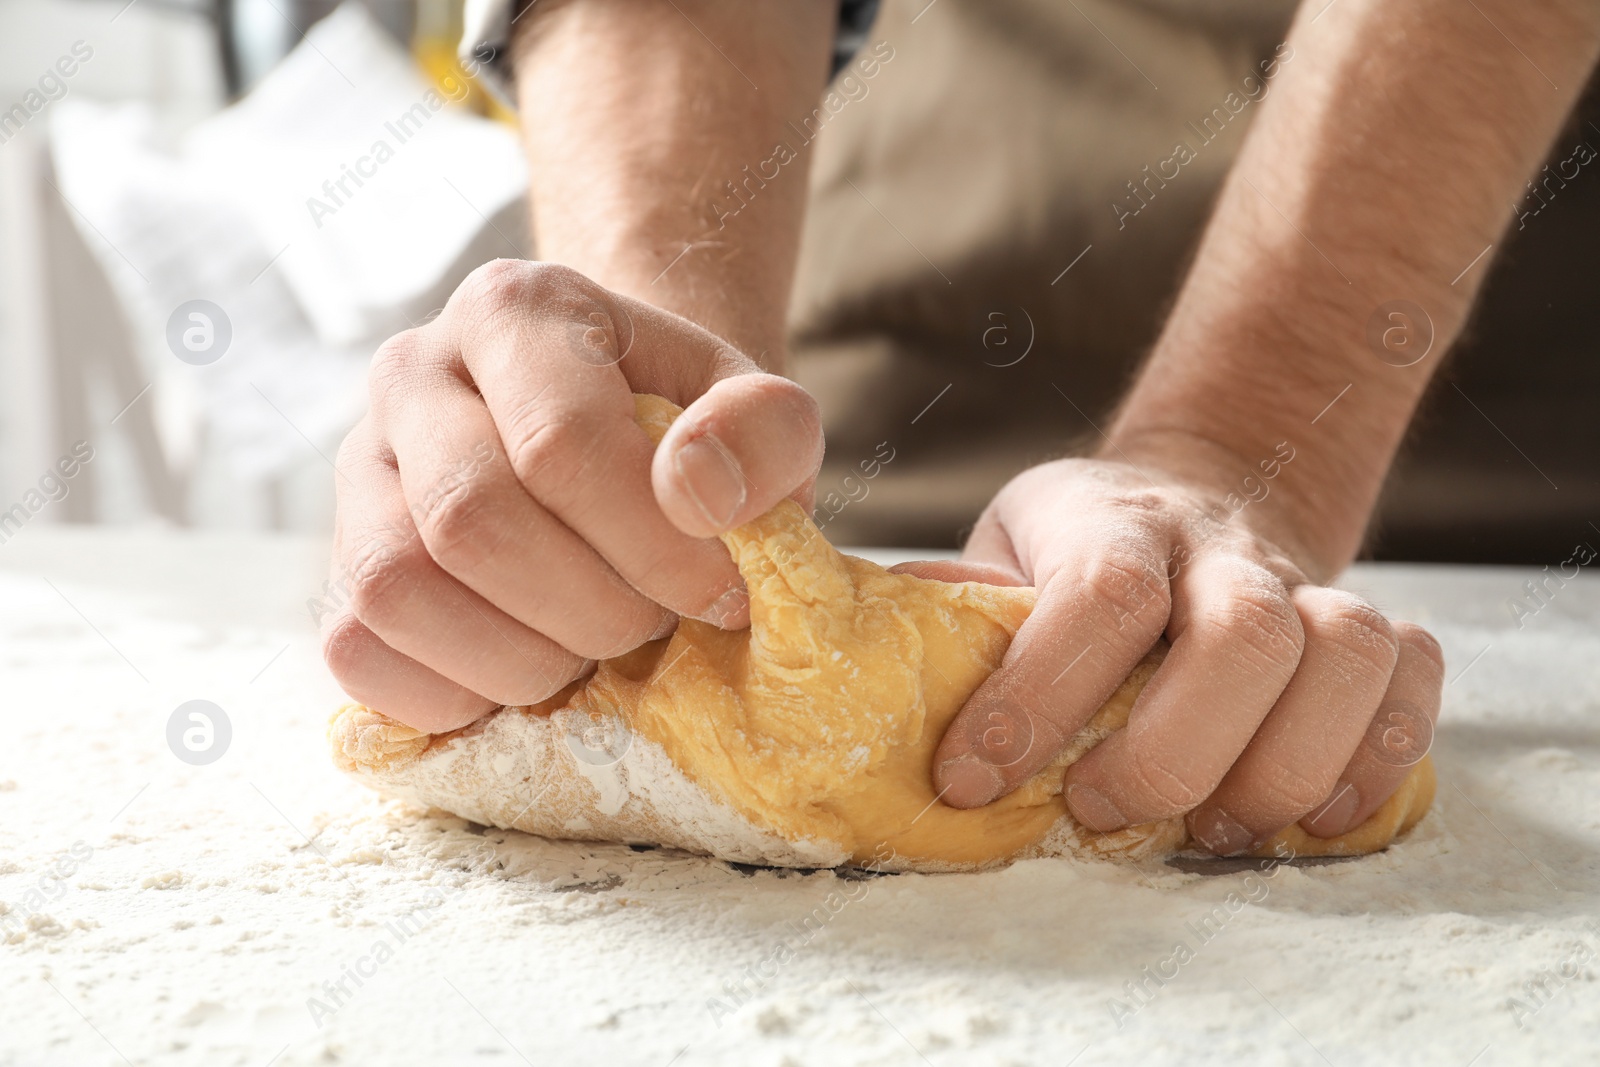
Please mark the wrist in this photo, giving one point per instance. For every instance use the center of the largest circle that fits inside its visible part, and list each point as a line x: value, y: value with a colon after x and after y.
x: 635, y: 140
x: 1255, y: 485
x: 1257, y: 356
x: 653, y: 263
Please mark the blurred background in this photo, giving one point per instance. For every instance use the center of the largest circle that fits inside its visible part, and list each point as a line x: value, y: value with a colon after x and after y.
x: 196, y: 153
x: 201, y: 245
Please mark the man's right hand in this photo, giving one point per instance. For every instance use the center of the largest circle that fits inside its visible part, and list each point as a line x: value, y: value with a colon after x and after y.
x: 502, y: 521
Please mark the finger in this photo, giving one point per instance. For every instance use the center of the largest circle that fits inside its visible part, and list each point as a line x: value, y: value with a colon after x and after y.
x: 544, y: 347
x: 749, y: 442
x: 1292, y: 762
x: 1096, y: 617
x: 959, y: 570
x: 1399, y: 735
x: 480, y: 524
x: 420, y: 611
x: 1236, y: 641
x: 376, y: 675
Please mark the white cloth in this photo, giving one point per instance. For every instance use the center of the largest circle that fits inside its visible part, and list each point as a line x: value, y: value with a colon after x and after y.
x: 222, y: 214
x: 369, y: 180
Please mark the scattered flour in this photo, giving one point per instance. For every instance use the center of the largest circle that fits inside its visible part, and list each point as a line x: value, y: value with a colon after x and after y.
x: 222, y: 904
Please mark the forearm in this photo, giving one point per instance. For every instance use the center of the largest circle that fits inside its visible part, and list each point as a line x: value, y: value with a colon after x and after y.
x: 1386, y: 161
x: 636, y: 124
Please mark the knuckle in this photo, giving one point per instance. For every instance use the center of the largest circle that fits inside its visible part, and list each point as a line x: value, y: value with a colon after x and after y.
x: 554, y: 456
x: 395, y: 365
x: 1289, y: 791
x: 377, y: 579
x: 1399, y: 735
x: 1019, y: 730
x: 1356, y: 623
x: 360, y: 452
x: 1360, y: 629
x: 352, y: 450
x: 1129, y: 587
x: 778, y: 392
x: 1147, y: 503
x: 344, y: 647
x: 497, y: 285
x: 546, y: 277
x: 1420, y: 641
x: 509, y: 286
x: 1162, y: 785
x: 1263, y: 627
x: 456, y: 525
x: 775, y: 389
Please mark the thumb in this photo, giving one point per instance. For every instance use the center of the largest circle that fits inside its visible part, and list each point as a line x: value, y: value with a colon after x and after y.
x: 748, y: 442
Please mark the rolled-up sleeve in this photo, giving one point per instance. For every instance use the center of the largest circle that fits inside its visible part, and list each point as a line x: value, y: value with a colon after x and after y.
x: 485, y: 50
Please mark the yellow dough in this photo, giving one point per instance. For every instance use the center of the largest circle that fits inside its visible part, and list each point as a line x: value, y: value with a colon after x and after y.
x: 806, y: 741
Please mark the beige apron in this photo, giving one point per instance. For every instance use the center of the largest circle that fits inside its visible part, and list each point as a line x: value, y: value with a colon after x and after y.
x: 990, y: 153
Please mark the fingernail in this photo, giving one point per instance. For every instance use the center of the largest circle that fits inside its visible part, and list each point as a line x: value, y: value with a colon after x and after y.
x: 1220, y: 834
x: 731, y: 610
x: 1333, y: 818
x: 712, y: 479
x: 968, y: 782
x: 1092, y: 808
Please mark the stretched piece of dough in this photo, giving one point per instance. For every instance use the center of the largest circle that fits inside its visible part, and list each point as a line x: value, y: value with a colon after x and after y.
x: 806, y: 741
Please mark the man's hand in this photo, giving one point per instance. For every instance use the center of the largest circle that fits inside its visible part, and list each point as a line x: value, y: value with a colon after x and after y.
x: 502, y: 521
x: 1279, y: 701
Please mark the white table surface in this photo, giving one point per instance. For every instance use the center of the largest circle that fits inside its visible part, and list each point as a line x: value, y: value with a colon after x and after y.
x: 205, y: 906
